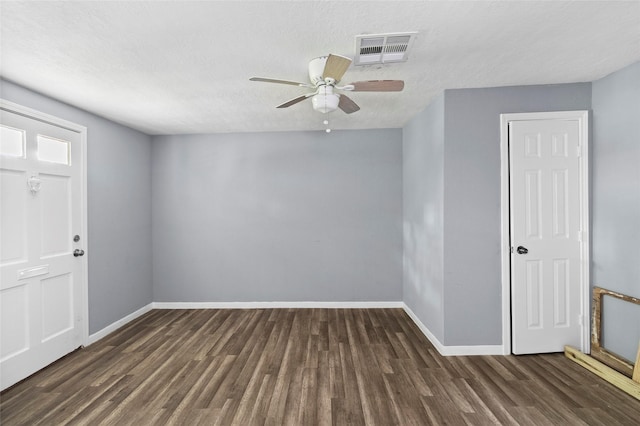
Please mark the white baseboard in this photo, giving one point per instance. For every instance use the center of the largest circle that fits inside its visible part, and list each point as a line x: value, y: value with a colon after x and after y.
x: 442, y: 349
x: 453, y: 350
x: 275, y: 305
x: 116, y: 325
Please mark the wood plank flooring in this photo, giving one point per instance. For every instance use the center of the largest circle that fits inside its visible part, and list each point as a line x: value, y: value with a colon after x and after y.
x: 303, y: 367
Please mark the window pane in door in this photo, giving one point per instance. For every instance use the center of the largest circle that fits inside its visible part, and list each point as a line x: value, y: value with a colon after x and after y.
x: 53, y: 150
x: 11, y: 141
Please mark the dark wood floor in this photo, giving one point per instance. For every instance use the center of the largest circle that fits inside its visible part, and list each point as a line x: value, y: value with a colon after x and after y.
x: 303, y: 367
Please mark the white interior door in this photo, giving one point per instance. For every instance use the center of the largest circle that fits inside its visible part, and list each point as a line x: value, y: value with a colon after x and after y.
x: 547, y: 223
x: 42, y: 300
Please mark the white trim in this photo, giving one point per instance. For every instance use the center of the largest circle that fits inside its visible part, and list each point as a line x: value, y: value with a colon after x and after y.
x: 583, y: 122
x: 452, y: 350
x: 117, y: 324
x: 275, y: 305
x: 82, y: 131
x: 84, y: 227
x: 505, y: 235
x: 442, y: 349
x: 41, y: 116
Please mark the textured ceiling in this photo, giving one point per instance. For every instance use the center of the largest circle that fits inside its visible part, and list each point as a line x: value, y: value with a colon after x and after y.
x: 184, y: 67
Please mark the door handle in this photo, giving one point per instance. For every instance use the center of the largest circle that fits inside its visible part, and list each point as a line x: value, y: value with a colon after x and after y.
x: 78, y: 252
x: 522, y: 250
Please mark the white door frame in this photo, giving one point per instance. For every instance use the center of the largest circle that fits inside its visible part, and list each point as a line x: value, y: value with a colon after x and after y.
x: 82, y: 131
x: 583, y: 123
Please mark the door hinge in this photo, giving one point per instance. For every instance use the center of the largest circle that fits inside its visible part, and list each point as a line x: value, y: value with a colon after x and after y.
x: 579, y: 151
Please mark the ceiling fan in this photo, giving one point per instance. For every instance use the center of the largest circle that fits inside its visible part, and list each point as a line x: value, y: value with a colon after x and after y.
x: 325, y: 73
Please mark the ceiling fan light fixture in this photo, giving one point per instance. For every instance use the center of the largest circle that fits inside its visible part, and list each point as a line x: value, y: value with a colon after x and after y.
x: 325, y: 101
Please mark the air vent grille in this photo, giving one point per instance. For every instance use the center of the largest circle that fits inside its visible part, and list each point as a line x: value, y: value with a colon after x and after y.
x: 383, y: 48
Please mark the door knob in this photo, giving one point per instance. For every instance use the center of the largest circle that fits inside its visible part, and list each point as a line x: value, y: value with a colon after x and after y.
x: 78, y: 252
x: 522, y: 250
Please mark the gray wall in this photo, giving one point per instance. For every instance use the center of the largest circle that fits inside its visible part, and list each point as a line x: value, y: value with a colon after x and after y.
x: 308, y: 216
x: 119, y: 208
x: 472, y: 241
x: 616, y: 203
x: 423, y: 185
x: 457, y: 290
x: 295, y: 216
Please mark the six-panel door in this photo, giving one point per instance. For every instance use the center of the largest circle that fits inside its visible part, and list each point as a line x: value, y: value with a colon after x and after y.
x: 545, y: 235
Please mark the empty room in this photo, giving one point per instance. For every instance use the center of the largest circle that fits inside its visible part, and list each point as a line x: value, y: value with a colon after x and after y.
x: 320, y: 212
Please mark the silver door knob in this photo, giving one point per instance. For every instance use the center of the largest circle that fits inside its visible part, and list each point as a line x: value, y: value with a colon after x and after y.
x: 522, y: 250
x: 78, y: 252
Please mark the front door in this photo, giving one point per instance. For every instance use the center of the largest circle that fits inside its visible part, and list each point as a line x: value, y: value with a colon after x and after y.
x: 547, y: 195
x: 42, y: 288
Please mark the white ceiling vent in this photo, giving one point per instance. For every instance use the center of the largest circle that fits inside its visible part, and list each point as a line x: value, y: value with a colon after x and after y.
x: 383, y: 48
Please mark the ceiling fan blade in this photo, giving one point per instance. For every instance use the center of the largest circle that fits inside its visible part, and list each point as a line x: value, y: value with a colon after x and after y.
x: 347, y: 105
x: 295, y: 100
x: 273, y: 80
x: 335, y: 67
x: 378, y: 86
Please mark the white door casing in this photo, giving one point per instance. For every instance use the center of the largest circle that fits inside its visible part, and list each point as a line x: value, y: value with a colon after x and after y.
x: 43, y: 286
x: 545, y: 231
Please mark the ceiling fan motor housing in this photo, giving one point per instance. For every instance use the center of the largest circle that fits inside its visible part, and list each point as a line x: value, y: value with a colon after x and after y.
x: 316, y: 69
